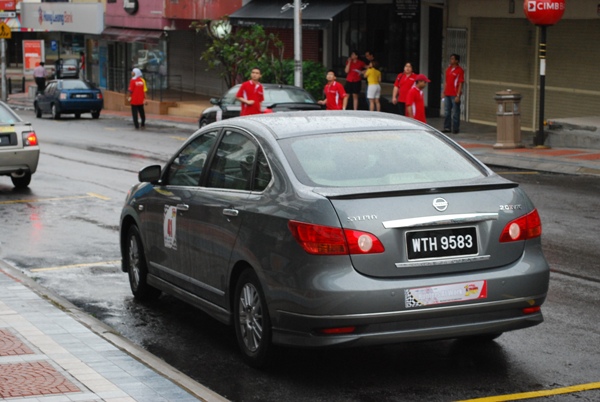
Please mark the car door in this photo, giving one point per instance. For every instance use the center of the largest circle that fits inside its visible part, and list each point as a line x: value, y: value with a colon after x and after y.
x: 45, y: 98
x: 166, y: 214
x: 214, y: 215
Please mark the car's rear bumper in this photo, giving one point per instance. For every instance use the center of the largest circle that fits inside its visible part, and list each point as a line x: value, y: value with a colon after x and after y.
x: 81, y: 105
x: 25, y: 159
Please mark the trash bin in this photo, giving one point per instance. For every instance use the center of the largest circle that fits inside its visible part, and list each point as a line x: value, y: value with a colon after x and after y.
x: 508, y: 118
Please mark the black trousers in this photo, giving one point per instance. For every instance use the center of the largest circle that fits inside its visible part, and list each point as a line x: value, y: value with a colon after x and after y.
x: 41, y: 84
x: 135, y: 110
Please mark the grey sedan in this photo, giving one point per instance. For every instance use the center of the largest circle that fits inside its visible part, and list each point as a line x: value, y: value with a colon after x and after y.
x: 320, y: 229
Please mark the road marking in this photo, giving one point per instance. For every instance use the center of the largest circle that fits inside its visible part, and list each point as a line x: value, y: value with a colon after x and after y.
x: 75, y: 197
x: 72, y: 266
x: 537, y: 394
x: 179, y: 138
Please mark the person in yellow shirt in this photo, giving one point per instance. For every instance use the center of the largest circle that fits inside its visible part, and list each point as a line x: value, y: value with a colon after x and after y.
x: 373, y: 76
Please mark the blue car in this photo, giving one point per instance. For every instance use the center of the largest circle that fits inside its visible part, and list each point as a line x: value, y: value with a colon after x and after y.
x: 71, y: 96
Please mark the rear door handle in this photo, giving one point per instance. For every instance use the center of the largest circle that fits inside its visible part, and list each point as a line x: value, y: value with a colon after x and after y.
x: 231, y: 212
x: 183, y: 207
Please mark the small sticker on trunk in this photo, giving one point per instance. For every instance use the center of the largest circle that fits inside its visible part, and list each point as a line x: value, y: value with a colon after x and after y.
x: 442, y: 294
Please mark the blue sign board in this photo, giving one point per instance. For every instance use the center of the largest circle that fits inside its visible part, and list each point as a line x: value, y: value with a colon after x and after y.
x: 53, y: 45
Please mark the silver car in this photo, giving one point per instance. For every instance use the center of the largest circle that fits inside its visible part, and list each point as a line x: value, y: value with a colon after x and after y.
x: 317, y: 229
x: 19, y: 149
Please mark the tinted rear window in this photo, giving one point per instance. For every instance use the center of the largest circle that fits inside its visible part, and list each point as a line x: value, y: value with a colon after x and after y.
x: 74, y: 84
x: 376, y: 159
x: 7, y: 116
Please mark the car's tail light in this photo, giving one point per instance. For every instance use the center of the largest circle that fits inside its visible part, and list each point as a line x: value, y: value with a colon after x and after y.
x: 337, y: 330
x: 327, y: 240
x: 532, y: 310
x: 29, y: 139
x: 525, y: 227
x: 63, y: 96
x: 99, y: 95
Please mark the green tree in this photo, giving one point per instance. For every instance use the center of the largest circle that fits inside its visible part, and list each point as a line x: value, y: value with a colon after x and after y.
x: 235, y: 52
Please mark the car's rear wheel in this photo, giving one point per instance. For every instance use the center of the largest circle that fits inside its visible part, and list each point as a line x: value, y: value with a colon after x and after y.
x: 96, y: 114
x: 21, y: 180
x: 251, y: 320
x: 38, y: 111
x: 135, y: 261
x: 55, y: 112
x: 203, y: 122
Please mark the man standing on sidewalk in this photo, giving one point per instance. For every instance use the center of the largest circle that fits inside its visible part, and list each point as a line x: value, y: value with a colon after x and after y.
x: 39, y: 75
x: 455, y: 77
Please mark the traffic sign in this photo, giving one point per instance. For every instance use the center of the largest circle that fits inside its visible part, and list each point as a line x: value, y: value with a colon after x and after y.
x: 5, y: 32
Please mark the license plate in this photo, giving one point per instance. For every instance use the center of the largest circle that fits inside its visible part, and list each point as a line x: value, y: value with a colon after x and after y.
x: 81, y: 96
x: 441, y: 243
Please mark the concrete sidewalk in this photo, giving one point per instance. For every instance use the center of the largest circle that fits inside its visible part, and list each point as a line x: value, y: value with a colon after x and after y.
x: 52, y: 351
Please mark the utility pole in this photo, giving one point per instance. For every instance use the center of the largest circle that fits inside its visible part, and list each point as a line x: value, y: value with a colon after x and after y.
x: 298, y: 80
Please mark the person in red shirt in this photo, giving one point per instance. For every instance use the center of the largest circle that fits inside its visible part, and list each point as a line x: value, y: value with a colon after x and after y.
x: 353, y: 69
x: 415, y: 103
x: 251, y: 94
x: 336, y: 97
x: 455, y: 77
x: 137, y: 97
x: 404, y: 82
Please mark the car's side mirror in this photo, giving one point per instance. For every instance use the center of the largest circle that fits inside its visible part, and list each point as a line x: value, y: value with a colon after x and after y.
x: 149, y: 174
x: 215, y: 101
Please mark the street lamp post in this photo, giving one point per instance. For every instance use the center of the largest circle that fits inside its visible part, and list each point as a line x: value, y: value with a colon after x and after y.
x: 543, y: 13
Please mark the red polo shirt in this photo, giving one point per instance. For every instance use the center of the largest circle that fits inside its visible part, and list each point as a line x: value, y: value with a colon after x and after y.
x: 454, y: 76
x: 404, y: 83
x: 414, y: 100
x: 251, y: 91
x: 334, y: 94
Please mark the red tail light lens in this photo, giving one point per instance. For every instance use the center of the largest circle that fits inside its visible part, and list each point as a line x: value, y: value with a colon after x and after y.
x: 532, y: 310
x: 30, y: 139
x: 525, y: 227
x: 99, y: 95
x: 327, y: 240
x: 337, y: 331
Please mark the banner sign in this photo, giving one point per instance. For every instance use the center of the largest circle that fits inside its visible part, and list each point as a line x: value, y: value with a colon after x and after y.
x: 87, y: 18
x: 33, y: 53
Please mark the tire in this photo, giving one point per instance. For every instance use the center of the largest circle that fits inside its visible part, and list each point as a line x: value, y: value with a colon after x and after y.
x: 251, y: 320
x: 38, y: 111
x: 21, y: 181
x: 96, y: 115
x: 135, y: 261
x: 78, y: 115
x: 202, y: 123
x: 55, y: 112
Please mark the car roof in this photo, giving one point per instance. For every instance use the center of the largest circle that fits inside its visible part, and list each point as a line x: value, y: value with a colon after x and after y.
x: 274, y: 86
x: 295, y: 124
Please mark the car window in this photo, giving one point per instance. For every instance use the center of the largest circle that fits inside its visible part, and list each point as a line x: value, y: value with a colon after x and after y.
x: 376, y: 159
x: 235, y: 164
x: 186, y: 168
x: 7, y: 116
x: 75, y: 84
x: 230, y: 96
x: 50, y: 88
x: 287, y: 95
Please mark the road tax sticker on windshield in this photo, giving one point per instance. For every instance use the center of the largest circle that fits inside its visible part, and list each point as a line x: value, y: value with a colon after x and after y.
x: 170, y: 227
x: 456, y: 292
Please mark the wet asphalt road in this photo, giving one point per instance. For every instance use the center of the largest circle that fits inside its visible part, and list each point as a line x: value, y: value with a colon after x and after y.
x: 63, y: 231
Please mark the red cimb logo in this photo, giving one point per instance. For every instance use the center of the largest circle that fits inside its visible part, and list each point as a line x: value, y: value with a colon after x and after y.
x: 544, y: 12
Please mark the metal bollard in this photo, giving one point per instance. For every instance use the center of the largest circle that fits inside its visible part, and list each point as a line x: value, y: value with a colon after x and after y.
x: 23, y: 85
x: 9, y: 84
x: 508, y: 116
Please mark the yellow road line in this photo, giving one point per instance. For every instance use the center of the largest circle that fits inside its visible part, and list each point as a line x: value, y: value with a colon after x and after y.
x: 89, y: 264
x: 178, y: 138
x: 538, y: 394
x: 74, y: 197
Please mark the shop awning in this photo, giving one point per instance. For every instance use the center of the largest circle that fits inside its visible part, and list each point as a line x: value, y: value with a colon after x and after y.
x: 131, y: 35
x: 317, y: 14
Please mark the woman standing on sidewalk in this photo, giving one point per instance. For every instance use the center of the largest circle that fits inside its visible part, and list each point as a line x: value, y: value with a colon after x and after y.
x: 137, y: 97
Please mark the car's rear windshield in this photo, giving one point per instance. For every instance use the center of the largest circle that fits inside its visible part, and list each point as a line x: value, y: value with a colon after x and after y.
x: 377, y: 159
x: 7, y: 116
x: 75, y: 84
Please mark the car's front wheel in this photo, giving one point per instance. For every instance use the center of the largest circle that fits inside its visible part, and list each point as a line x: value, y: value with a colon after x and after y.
x: 55, y: 112
x: 38, y: 111
x: 135, y: 261
x: 96, y: 114
x: 251, y: 320
x: 21, y: 180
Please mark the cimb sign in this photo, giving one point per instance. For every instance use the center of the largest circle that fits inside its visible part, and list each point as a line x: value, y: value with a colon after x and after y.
x: 544, y: 12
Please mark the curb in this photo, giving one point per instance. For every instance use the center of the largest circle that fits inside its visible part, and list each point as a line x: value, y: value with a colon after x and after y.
x: 110, y: 335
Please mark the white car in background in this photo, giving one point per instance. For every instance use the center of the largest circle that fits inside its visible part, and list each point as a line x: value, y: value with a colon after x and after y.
x: 19, y: 149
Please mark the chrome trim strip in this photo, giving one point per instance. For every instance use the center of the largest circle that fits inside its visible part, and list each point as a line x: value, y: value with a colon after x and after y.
x: 438, y: 220
x: 446, y: 261
x: 416, y: 310
x: 193, y: 281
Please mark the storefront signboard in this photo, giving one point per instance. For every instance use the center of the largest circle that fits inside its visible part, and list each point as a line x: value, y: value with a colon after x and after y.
x: 86, y: 18
x: 33, y: 53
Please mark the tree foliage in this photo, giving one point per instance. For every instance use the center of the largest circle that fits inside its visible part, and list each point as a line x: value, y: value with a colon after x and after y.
x: 234, y: 53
